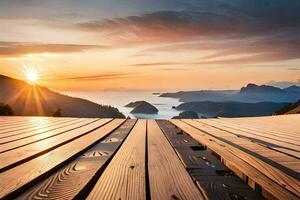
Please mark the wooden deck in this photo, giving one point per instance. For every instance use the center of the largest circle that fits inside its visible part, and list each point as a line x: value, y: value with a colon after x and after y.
x: 78, y: 158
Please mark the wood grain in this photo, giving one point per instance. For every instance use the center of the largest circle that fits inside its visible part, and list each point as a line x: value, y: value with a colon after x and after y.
x: 214, y: 179
x: 125, y: 176
x: 23, y: 125
x: 18, y: 156
x: 284, y: 176
x: 23, y: 130
x: 275, y: 135
x: 283, y: 124
x: 73, y: 180
x: 18, y: 178
x: 164, y: 164
x: 18, y: 135
x: 286, y: 149
x: 34, y: 137
x: 274, y: 187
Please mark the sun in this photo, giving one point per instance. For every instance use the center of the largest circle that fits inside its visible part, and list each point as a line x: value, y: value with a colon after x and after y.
x: 32, y: 76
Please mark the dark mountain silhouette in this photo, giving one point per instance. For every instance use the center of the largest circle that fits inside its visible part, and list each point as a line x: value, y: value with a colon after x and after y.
x: 232, y: 109
x: 292, y: 108
x: 34, y: 100
x: 142, y: 107
x: 252, y: 93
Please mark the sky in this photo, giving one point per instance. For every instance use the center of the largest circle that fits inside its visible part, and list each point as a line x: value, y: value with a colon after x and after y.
x: 157, y: 45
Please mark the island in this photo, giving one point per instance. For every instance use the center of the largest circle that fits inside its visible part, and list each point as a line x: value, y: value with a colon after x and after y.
x: 187, y: 115
x: 142, y: 107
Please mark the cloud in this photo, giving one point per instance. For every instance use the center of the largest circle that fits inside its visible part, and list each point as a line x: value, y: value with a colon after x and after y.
x: 165, y: 26
x: 266, y: 30
x: 269, y: 28
x: 234, y: 19
x: 294, y: 69
x: 102, y: 76
x: 157, y: 64
x: 17, y: 49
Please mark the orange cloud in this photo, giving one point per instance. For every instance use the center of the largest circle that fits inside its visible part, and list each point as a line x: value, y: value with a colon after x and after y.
x: 17, y: 49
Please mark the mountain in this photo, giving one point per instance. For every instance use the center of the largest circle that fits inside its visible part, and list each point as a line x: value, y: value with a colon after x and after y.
x: 293, y: 90
x: 34, y: 100
x: 293, y: 108
x: 255, y: 89
x: 255, y: 93
x: 203, y: 95
x: 142, y: 107
x: 252, y: 93
x: 231, y: 109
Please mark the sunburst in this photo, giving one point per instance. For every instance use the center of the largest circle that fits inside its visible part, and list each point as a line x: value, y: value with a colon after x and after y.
x: 32, y: 76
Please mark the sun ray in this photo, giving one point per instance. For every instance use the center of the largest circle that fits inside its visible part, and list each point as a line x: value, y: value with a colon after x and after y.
x: 18, y: 96
x: 37, y: 102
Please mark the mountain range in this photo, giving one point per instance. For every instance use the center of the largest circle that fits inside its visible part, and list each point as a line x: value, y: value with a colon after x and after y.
x: 252, y: 93
x: 33, y: 100
x: 231, y: 109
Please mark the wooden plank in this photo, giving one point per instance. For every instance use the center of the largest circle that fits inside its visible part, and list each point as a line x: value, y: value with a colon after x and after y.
x: 293, y: 164
x: 16, y: 119
x: 288, y: 148
x: 9, y: 146
x: 286, y: 177
x: 258, y: 151
x: 277, y: 188
x: 18, y: 135
x: 164, y: 164
x: 225, y: 186
x: 254, y: 131
x: 10, y: 121
x: 10, y: 136
x: 23, y: 120
x: 125, y: 176
x: 274, y: 125
x: 73, y: 181
x: 273, y: 135
x: 214, y: 179
x: 18, y: 156
x: 287, y: 124
x: 19, y: 178
x: 26, y: 125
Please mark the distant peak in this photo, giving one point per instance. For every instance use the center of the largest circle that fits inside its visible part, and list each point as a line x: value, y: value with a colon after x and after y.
x: 251, y: 87
x: 293, y: 86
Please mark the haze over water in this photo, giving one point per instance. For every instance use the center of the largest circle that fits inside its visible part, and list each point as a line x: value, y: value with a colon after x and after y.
x: 120, y: 99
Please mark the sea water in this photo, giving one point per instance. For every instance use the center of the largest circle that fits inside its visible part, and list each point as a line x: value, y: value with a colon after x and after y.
x: 120, y: 99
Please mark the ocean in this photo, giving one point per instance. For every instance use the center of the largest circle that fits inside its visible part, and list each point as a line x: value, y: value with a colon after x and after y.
x: 120, y: 99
